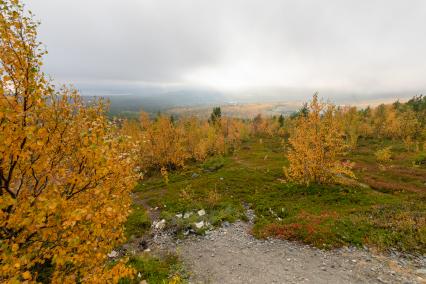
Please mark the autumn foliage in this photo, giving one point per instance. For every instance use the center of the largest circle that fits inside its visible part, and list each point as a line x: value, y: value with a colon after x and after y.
x: 398, y: 121
x: 65, y: 172
x: 164, y: 144
x: 320, y: 135
x: 267, y: 126
x: 316, y: 146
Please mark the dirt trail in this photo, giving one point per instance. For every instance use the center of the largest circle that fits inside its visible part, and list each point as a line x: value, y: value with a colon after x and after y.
x: 231, y: 255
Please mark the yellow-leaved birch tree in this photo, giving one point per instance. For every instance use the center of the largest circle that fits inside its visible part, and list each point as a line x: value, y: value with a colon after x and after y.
x: 65, y: 176
x: 316, y: 145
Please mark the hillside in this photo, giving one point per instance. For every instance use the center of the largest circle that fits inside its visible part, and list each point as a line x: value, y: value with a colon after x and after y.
x: 187, y: 160
x: 374, y: 214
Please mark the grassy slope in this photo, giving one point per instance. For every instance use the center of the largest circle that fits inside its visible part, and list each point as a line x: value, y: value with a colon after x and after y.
x: 390, y: 214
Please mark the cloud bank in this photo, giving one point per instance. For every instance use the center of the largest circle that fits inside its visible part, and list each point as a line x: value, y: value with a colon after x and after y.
x: 340, y: 45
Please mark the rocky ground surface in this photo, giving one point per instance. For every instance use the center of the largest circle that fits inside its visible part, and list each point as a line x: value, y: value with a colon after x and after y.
x: 231, y: 255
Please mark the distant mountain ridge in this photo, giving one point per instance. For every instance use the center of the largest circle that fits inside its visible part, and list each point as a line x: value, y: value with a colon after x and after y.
x: 132, y: 98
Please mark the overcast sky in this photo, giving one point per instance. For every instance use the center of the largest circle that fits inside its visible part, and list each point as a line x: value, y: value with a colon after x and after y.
x: 360, y: 46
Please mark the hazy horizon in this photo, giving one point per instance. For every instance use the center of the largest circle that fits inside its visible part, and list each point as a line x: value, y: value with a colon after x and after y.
x: 282, y: 50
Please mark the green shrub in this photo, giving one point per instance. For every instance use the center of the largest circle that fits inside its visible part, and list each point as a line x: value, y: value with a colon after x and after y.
x: 213, y: 164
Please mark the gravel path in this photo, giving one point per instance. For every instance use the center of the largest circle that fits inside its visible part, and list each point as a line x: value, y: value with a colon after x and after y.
x: 231, y: 255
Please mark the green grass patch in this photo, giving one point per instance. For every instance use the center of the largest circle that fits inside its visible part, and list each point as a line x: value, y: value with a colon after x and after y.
x: 138, y: 223
x: 156, y: 270
x: 214, y: 163
x: 420, y: 159
x: 389, y: 213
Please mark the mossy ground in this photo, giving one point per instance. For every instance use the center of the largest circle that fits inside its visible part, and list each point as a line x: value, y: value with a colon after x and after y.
x: 388, y: 213
x: 155, y: 270
x: 138, y: 222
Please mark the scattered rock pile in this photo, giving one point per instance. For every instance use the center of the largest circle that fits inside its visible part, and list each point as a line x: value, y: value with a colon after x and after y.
x: 229, y: 254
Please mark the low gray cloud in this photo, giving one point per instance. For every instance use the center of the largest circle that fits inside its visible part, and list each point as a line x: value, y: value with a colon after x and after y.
x: 362, y: 46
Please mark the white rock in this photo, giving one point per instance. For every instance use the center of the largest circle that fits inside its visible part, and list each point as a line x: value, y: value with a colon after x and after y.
x: 160, y: 225
x: 139, y: 275
x: 201, y: 212
x: 179, y: 215
x: 199, y: 225
x: 113, y: 254
x: 147, y: 250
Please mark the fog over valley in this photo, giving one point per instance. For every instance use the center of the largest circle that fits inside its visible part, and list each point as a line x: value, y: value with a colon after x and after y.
x: 168, y: 53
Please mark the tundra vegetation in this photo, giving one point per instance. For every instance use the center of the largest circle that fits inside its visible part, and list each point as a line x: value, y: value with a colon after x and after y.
x: 327, y: 175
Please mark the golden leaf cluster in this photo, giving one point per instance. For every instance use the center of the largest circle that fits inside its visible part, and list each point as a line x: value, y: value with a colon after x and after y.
x: 316, y: 144
x: 382, y: 122
x: 383, y: 155
x: 165, y: 144
x: 65, y: 172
